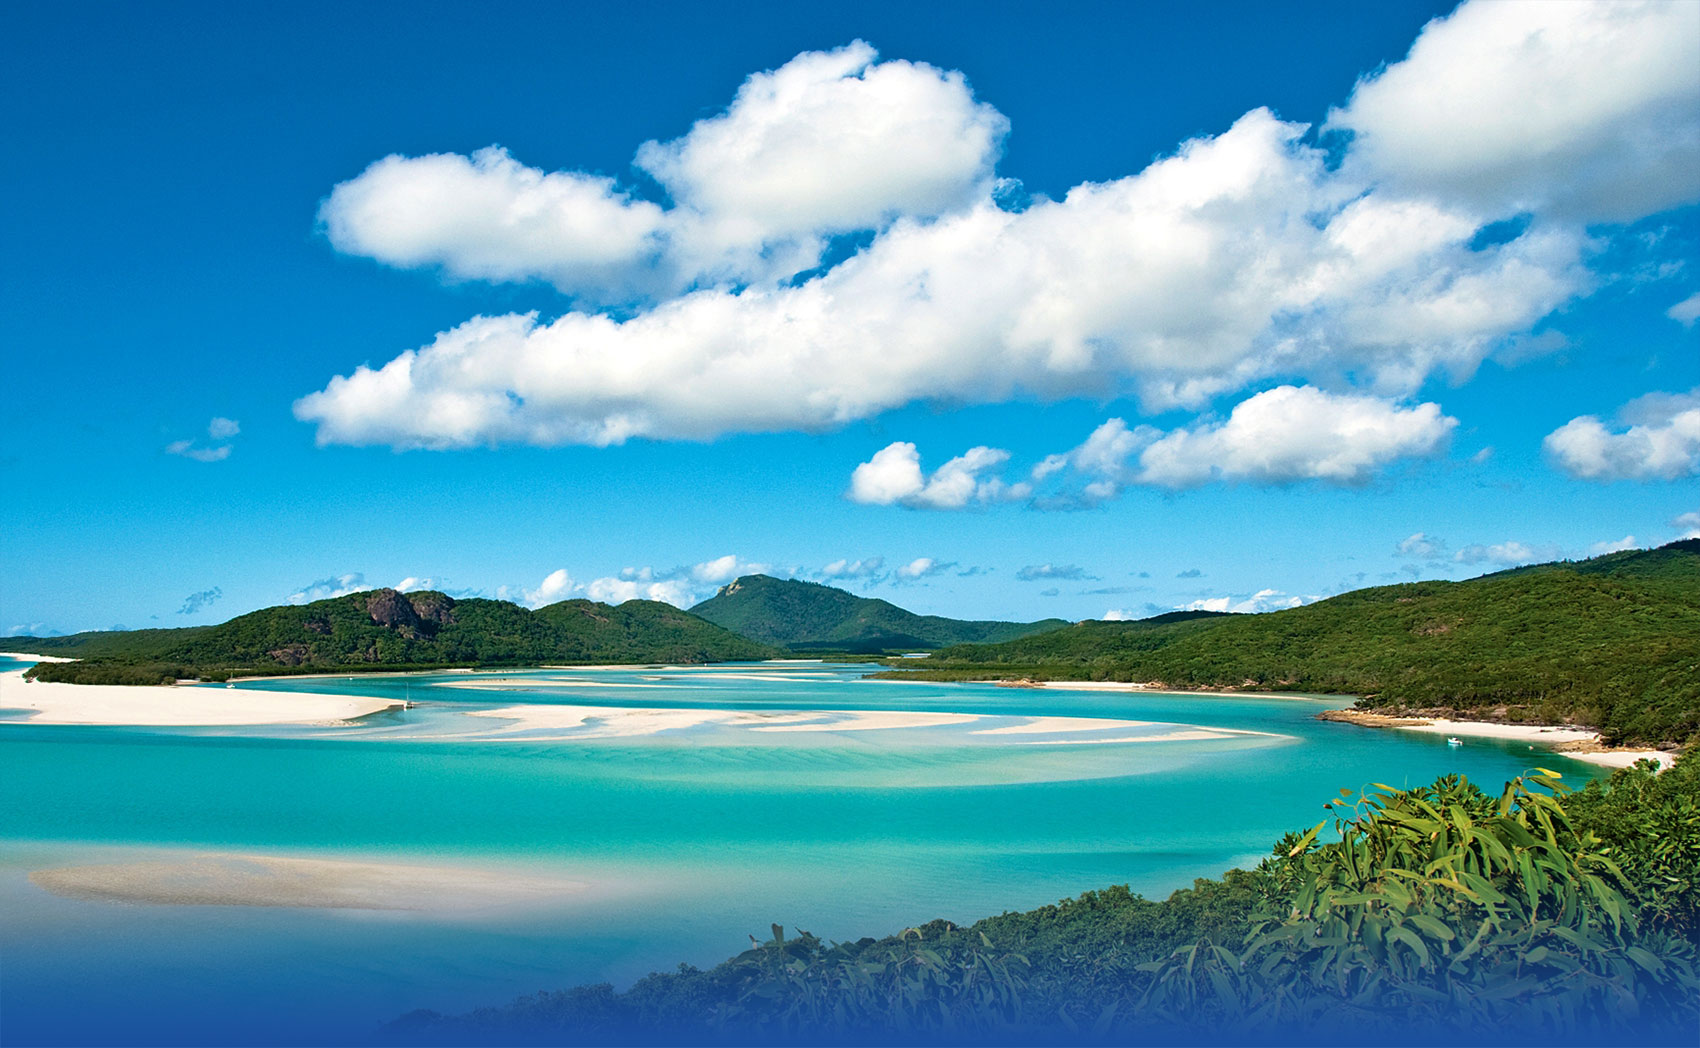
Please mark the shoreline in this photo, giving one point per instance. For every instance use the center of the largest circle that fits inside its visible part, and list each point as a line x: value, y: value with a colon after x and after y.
x: 1581, y: 744
x: 178, y: 706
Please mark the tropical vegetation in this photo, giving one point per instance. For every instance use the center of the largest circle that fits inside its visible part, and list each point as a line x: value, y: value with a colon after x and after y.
x: 1435, y: 915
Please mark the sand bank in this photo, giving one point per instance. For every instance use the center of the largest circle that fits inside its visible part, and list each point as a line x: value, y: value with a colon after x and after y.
x: 243, y: 879
x: 1579, y: 743
x: 610, y: 722
x: 176, y: 705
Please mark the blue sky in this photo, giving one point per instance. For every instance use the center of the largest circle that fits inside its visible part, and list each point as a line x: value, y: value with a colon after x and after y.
x: 1239, y: 306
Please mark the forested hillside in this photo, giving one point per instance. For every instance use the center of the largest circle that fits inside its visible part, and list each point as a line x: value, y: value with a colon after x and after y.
x: 806, y: 616
x: 384, y: 629
x: 1612, y: 642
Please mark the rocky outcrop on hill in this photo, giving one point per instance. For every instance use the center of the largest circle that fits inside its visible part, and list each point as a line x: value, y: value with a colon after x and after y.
x: 412, y: 617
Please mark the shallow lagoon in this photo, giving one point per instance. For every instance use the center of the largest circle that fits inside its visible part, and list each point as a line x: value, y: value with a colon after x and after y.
x: 622, y: 838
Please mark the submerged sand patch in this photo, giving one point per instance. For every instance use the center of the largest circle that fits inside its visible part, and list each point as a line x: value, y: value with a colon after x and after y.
x: 242, y: 879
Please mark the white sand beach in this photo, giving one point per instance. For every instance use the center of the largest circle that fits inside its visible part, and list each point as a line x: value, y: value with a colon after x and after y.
x: 1577, y: 743
x: 248, y: 879
x: 33, y: 658
x: 176, y: 705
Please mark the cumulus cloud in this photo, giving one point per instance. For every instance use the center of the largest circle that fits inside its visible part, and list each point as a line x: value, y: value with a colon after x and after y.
x: 556, y: 586
x: 1261, y: 601
x: 831, y: 142
x: 1600, y: 548
x: 194, y: 602
x: 1296, y: 433
x: 1687, y: 311
x: 1422, y: 546
x: 1242, y: 257
x: 1688, y: 525
x: 682, y: 586
x: 617, y: 590
x: 866, y: 568
x: 1505, y: 554
x: 1285, y: 435
x: 1590, y: 110
x: 1660, y: 441
x: 924, y: 567
x: 1032, y: 572
x: 334, y: 586
x: 894, y: 475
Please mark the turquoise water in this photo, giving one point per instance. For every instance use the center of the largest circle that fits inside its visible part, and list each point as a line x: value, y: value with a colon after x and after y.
x: 689, y: 830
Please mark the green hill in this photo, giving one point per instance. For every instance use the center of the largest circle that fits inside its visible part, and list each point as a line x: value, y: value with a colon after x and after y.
x: 805, y: 616
x: 1612, y: 642
x: 383, y: 629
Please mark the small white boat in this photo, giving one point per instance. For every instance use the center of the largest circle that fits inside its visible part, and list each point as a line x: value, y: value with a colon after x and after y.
x: 1453, y: 741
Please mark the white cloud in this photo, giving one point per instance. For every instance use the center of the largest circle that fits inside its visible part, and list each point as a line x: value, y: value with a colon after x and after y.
x: 924, y: 567
x: 831, y: 142
x: 682, y: 586
x: 1121, y: 615
x: 1661, y: 441
x: 1033, y: 572
x: 725, y: 569
x: 612, y: 590
x: 414, y: 582
x: 1688, y: 524
x: 1591, y: 110
x: 1261, y: 601
x: 1422, y: 547
x: 558, y: 585
x: 1600, y: 548
x: 1283, y: 435
x: 1687, y: 311
x: 1241, y: 256
x: 489, y: 217
x: 219, y: 429
x: 1297, y: 433
x: 866, y: 568
x: 1505, y: 554
x: 189, y: 449
x: 1244, y: 257
x: 894, y: 475
x: 335, y: 586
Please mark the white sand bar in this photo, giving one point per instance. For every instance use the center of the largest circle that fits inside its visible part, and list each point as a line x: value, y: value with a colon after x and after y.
x: 176, y: 706
x: 611, y: 722
x: 244, y: 879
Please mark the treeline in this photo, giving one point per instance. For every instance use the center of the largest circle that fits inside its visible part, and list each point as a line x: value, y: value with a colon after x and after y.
x: 383, y: 630
x: 1613, y: 643
x: 1440, y: 914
